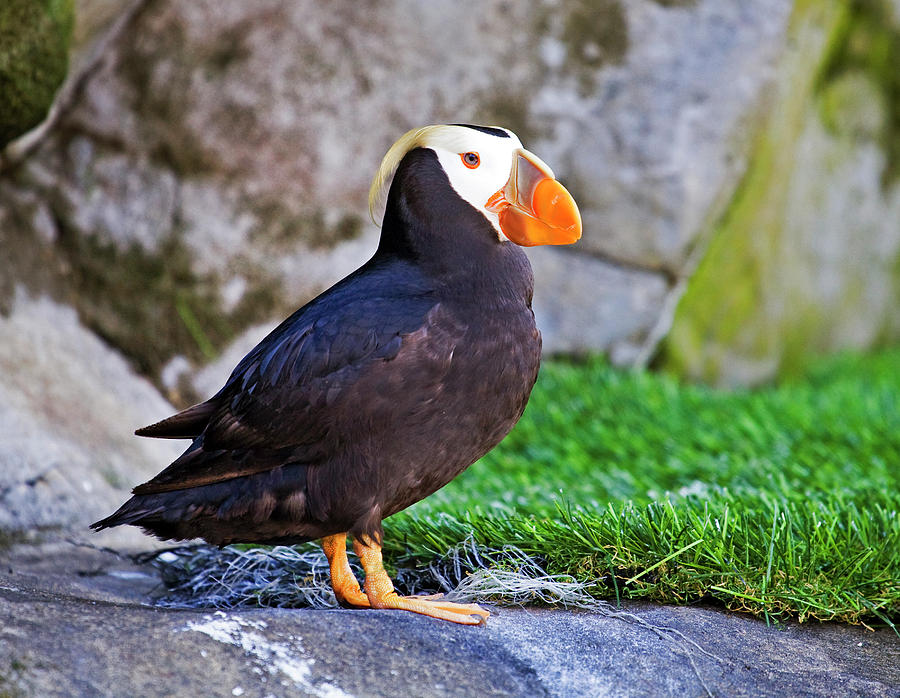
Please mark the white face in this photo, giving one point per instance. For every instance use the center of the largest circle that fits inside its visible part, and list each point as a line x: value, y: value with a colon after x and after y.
x: 476, y: 184
x: 496, y: 176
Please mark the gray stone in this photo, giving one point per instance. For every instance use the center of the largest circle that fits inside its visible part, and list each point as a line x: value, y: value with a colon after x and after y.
x: 814, y: 268
x: 581, y: 303
x: 63, y: 609
x: 248, y: 135
x: 127, y: 203
x: 68, y: 407
x: 658, y: 147
x: 235, y: 143
x: 806, y: 262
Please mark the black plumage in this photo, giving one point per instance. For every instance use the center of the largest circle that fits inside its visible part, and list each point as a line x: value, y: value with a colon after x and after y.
x: 369, y: 398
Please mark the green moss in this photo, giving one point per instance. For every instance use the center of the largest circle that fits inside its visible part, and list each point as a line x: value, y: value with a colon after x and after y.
x: 282, y: 231
x: 34, y: 57
x: 732, y: 307
x: 114, y: 479
x: 11, y: 679
x: 349, y: 227
x: 725, y: 311
x: 867, y: 40
x: 895, y: 273
x: 807, y: 330
x: 151, y: 306
x: 10, y: 538
x: 229, y: 47
x: 30, y: 536
x: 851, y: 107
x: 138, y: 301
x: 160, y: 109
x: 727, y: 289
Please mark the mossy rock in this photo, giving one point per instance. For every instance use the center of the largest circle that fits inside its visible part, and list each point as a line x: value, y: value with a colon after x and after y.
x: 867, y: 42
x: 34, y: 58
x: 757, y: 306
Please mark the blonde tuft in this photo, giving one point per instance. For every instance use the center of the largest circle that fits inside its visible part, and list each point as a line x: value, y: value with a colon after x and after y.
x: 389, y: 164
x: 440, y: 135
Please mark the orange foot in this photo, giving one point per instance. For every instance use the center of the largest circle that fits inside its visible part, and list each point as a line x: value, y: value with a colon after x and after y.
x: 343, y: 581
x: 464, y: 613
x: 380, y: 593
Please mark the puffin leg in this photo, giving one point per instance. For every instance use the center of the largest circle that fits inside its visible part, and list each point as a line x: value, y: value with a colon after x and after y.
x: 380, y: 591
x: 343, y: 581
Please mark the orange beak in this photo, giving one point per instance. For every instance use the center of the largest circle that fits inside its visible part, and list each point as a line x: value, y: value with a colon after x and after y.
x: 535, y: 209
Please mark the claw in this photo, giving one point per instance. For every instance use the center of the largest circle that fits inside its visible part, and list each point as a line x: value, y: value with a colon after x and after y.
x: 445, y: 610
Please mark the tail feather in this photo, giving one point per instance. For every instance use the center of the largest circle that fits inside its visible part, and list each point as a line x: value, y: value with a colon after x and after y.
x: 187, y: 424
x: 270, y: 505
x: 131, y: 512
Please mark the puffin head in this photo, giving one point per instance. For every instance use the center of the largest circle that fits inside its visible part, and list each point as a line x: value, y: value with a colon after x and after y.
x: 490, y: 170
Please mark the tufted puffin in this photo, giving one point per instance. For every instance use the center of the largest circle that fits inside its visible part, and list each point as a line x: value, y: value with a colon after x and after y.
x: 386, y: 386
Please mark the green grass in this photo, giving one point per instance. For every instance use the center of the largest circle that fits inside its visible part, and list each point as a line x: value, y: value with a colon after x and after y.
x: 782, y: 502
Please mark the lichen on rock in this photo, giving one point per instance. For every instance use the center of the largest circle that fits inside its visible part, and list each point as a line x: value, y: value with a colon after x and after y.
x: 34, y: 58
x: 804, y: 259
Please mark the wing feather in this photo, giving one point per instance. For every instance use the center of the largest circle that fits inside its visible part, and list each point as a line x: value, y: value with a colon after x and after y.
x: 286, y: 401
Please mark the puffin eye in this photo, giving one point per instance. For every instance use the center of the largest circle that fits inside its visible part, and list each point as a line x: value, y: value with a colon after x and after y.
x: 470, y: 160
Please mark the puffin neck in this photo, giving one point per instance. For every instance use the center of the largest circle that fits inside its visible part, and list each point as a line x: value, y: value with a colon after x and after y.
x: 426, y: 221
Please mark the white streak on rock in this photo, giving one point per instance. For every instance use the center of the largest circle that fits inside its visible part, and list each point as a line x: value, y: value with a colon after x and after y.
x: 277, y: 656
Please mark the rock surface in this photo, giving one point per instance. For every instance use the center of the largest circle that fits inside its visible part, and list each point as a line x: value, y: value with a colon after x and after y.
x: 116, y: 644
x: 807, y: 259
x: 68, y: 407
x: 210, y: 170
x: 216, y: 161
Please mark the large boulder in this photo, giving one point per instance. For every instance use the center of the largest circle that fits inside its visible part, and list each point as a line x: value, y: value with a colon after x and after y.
x: 68, y: 407
x: 212, y: 170
x: 806, y: 259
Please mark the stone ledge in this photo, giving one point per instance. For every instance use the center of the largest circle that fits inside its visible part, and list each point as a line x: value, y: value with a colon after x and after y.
x: 75, y: 621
